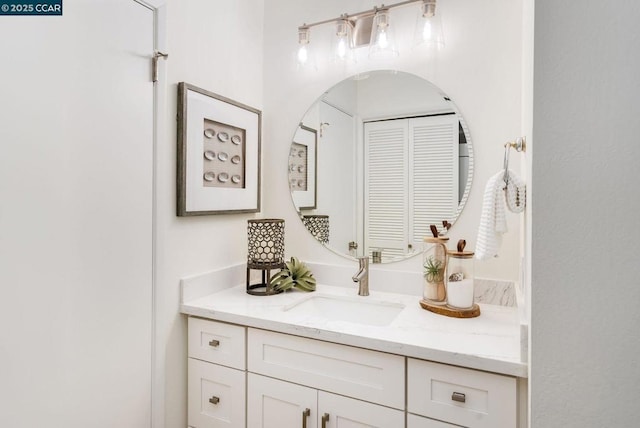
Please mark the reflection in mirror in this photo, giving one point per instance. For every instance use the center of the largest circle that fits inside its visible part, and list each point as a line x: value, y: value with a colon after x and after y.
x: 375, y: 161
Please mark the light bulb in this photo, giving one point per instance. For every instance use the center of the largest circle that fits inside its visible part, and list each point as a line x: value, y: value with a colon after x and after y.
x: 383, y: 42
x: 341, y: 50
x: 426, y: 31
x: 303, y: 55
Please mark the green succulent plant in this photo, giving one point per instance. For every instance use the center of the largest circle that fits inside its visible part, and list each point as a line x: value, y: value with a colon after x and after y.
x: 434, y: 270
x: 295, y: 274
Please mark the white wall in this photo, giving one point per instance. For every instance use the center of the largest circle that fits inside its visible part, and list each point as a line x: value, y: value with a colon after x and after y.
x: 480, y: 69
x: 586, y: 242
x: 216, y: 46
x: 76, y: 169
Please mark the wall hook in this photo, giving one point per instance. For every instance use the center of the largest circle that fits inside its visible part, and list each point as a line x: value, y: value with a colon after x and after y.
x: 322, y: 126
x: 154, y: 62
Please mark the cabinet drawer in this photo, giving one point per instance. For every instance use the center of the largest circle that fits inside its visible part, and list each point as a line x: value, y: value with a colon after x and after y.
x: 461, y: 396
x: 368, y: 375
x: 217, y: 342
x: 216, y: 396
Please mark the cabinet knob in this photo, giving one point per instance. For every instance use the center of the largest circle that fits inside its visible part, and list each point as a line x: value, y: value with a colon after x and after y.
x: 214, y: 400
x: 325, y: 419
x: 214, y: 343
x: 305, y: 414
x: 459, y: 397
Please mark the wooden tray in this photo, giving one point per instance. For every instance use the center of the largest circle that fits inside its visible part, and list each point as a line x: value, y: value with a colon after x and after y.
x: 449, y: 311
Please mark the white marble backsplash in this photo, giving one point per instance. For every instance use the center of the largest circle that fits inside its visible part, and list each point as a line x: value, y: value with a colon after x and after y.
x: 495, y: 292
x: 487, y: 291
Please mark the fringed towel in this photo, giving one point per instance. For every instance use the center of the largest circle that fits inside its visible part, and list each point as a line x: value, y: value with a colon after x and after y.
x: 493, y: 222
x: 515, y: 193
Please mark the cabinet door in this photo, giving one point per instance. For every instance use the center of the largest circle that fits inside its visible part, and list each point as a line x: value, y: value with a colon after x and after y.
x: 274, y: 403
x: 216, y: 396
x: 342, y: 412
x: 414, y: 421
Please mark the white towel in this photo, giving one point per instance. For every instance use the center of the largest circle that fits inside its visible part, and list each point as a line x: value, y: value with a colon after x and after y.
x: 493, y: 223
x: 515, y: 193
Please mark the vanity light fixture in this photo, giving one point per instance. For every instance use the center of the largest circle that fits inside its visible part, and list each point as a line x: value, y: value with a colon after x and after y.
x: 343, y: 40
x: 429, y: 26
x: 382, y: 45
x: 305, y: 57
x: 371, y: 28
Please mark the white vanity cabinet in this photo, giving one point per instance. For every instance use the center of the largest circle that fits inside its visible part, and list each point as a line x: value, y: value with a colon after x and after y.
x: 248, y: 377
x: 216, y: 374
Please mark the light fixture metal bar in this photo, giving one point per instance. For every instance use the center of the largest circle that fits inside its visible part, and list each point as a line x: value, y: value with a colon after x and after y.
x: 358, y: 15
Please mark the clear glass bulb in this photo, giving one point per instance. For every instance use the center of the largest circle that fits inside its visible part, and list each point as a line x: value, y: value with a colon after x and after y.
x: 383, y: 42
x: 303, y: 55
x: 426, y: 31
x: 341, y: 51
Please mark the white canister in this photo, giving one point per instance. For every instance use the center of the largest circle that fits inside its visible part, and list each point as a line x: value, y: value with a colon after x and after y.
x: 460, y: 276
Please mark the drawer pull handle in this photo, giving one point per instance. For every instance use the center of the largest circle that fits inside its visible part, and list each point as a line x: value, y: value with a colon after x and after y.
x: 459, y: 397
x: 325, y: 419
x: 214, y: 343
x: 214, y: 400
x: 305, y: 414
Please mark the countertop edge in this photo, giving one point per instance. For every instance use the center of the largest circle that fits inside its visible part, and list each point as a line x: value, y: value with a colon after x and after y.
x: 510, y: 368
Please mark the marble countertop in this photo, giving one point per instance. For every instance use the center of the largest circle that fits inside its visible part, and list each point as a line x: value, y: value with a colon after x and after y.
x: 490, y: 342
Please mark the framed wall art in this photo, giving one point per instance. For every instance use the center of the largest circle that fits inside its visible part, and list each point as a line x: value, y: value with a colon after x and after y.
x: 302, y: 168
x: 218, y: 154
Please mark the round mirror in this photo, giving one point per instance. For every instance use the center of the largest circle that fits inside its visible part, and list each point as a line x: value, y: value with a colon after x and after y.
x: 375, y: 161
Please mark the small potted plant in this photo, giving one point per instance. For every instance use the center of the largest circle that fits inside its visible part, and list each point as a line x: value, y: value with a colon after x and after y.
x: 295, y: 274
x: 434, y: 288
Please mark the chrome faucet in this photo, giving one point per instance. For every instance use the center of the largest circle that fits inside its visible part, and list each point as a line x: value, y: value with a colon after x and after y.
x: 362, y: 277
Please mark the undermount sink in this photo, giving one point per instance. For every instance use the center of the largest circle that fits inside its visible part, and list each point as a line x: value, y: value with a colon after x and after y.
x: 358, y: 310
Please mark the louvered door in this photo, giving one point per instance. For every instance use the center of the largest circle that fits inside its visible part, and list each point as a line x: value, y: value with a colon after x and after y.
x: 433, y: 173
x: 411, y: 181
x: 386, y: 187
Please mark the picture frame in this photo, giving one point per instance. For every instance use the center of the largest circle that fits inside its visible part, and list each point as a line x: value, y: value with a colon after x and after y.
x: 219, y: 143
x: 303, y: 162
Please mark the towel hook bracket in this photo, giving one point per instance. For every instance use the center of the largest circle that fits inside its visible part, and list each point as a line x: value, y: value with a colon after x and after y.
x: 520, y: 145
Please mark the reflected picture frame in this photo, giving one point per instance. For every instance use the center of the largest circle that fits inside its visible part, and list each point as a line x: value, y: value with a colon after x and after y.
x: 303, y: 184
x: 218, y: 159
